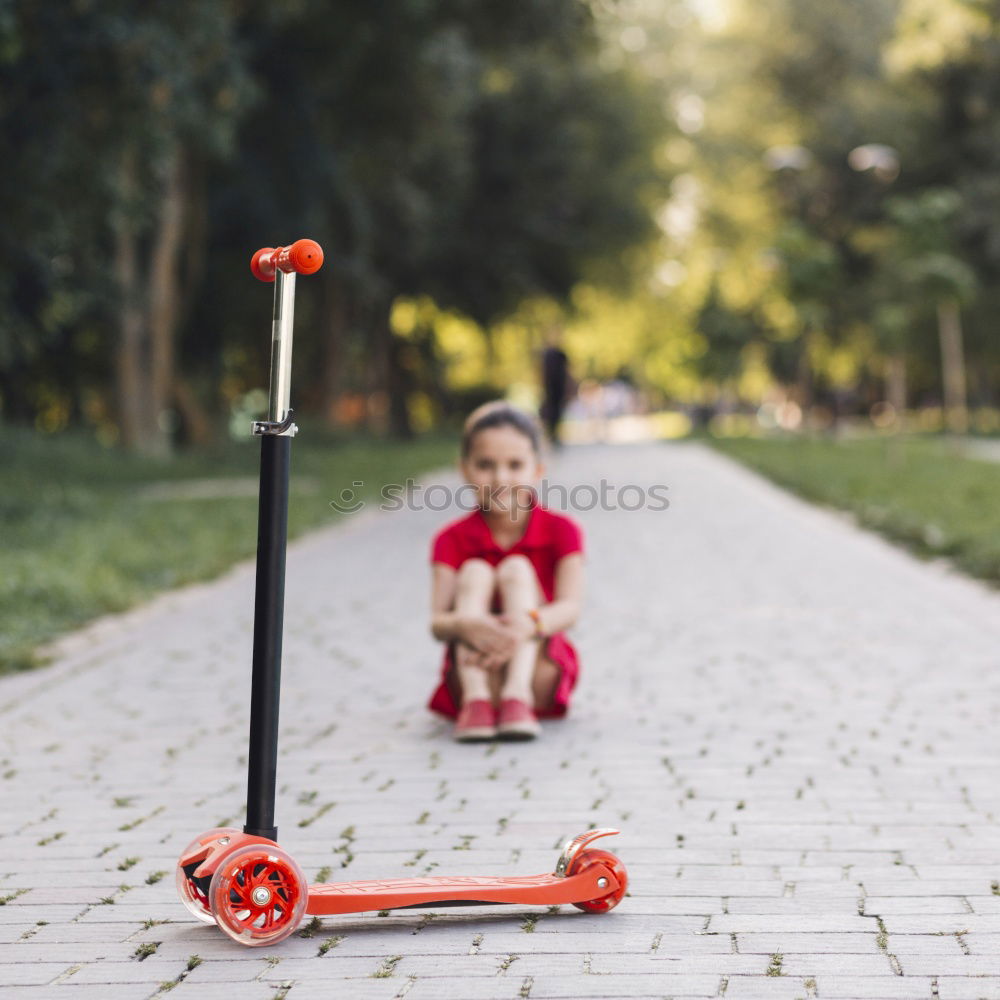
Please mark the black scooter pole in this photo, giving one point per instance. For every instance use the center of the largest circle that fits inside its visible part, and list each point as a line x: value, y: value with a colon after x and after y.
x: 276, y: 433
x: 272, y: 529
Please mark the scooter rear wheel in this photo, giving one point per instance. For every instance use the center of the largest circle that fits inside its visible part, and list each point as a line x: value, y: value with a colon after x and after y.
x: 258, y: 895
x: 583, y: 861
x: 193, y: 895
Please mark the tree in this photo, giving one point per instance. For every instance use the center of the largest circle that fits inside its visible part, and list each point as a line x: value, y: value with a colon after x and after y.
x: 108, y: 127
x: 475, y: 152
x: 935, y: 275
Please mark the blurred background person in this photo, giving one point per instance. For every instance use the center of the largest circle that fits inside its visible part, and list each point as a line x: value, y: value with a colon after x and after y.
x: 556, y: 383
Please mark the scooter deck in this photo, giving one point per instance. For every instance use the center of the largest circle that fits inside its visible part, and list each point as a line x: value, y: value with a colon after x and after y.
x: 390, y: 894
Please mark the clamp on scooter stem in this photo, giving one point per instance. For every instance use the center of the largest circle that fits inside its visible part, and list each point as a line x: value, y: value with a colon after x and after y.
x: 284, y: 428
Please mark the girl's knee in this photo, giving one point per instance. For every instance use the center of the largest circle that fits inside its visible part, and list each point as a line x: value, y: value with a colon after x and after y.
x: 474, y: 571
x: 515, y: 569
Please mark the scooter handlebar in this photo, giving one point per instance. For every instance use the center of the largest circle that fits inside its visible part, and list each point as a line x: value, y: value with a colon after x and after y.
x: 302, y: 257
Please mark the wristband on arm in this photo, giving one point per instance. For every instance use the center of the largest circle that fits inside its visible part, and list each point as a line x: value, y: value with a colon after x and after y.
x: 537, y: 619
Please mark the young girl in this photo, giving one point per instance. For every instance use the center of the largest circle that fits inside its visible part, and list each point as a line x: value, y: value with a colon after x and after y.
x: 507, y: 579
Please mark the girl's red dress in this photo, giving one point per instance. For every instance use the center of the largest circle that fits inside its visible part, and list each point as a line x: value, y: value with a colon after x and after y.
x: 547, y: 539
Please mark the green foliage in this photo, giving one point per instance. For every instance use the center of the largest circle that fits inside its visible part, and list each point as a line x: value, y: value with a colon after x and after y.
x: 848, y: 162
x: 924, y: 238
x: 478, y: 152
x: 84, y: 534
x: 83, y: 88
x: 727, y: 332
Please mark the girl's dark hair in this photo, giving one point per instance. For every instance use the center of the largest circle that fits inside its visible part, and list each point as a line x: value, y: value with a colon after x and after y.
x: 500, y: 414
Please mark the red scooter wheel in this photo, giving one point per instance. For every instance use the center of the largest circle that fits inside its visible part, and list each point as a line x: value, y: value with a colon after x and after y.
x: 258, y: 895
x: 192, y: 895
x: 583, y: 861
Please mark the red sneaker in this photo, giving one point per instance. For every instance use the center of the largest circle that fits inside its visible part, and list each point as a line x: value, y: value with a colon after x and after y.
x: 517, y: 720
x: 476, y: 723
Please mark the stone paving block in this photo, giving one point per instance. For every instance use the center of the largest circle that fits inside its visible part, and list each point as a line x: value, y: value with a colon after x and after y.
x: 152, y: 970
x: 788, y: 943
x: 885, y: 905
x: 69, y: 952
x: 983, y: 903
x: 626, y: 986
x: 31, y: 974
x: 811, y: 966
x: 927, y: 944
x: 951, y: 965
x: 427, y: 989
x: 982, y: 944
x: 785, y: 906
x: 189, y: 990
x: 776, y: 923
x: 874, y: 988
x: 105, y: 991
x: 827, y: 890
x: 944, y: 923
x: 965, y: 988
x: 331, y: 967
x: 32, y: 914
x: 241, y: 969
x: 766, y: 988
x: 931, y: 887
x: 73, y: 932
x: 10, y: 933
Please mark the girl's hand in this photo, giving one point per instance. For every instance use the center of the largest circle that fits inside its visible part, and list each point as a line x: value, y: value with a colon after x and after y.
x: 487, y: 635
x: 466, y: 656
x: 519, y: 626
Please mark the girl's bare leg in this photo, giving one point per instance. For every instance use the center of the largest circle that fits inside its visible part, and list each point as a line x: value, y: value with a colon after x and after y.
x: 545, y: 682
x: 476, y: 582
x: 519, y: 593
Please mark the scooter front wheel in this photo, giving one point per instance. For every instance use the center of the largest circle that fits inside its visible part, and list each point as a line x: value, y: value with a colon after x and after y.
x: 258, y: 895
x: 583, y: 861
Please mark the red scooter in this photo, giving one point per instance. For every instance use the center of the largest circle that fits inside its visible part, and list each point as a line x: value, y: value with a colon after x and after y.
x: 243, y: 881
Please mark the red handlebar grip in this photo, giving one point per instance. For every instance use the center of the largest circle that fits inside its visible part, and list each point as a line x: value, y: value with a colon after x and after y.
x: 303, y: 257
x: 262, y: 264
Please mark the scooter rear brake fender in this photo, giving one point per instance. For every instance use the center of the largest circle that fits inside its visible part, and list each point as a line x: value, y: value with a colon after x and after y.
x: 572, y: 847
x: 210, y: 854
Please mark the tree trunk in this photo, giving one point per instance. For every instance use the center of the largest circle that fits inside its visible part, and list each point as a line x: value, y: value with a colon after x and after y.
x: 149, y: 310
x: 895, y: 385
x: 398, y: 386
x: 953, y: 366
x: 387, y: 403
x: 130, y: 371
x: 196, y: 422
x: 804, y: 378
x: 337, y: 312
x: 164, y: 300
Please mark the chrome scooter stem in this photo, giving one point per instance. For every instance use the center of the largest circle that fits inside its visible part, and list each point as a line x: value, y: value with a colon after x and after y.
x: 278, y: 411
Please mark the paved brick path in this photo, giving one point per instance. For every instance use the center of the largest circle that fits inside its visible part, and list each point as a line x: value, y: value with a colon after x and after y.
x: 795, y: 726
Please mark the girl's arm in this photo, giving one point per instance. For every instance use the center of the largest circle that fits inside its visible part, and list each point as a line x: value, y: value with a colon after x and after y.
x: 562, y: 612
x: 445, y: 623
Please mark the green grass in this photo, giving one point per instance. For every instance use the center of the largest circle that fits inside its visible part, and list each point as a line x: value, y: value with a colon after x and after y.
x: 919, y: 491
x: 80, y: 539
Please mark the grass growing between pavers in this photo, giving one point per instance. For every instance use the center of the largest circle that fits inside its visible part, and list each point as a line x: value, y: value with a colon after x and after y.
x: 88, y: 530
x: 918, y: 491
